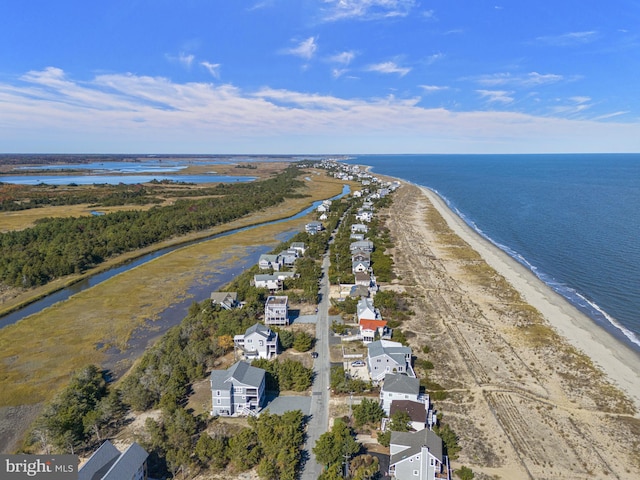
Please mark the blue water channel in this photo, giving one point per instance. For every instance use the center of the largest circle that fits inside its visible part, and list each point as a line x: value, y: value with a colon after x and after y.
x: 179, y: 308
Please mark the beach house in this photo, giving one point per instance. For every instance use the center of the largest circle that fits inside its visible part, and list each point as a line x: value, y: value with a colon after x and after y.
x: 417, y: 455
x: 258, y: 341
x: 238, y: 390
x: 276, y: 310
x: 108, y: 463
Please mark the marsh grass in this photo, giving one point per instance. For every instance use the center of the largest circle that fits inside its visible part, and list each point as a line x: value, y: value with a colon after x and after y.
x: 38, y: 354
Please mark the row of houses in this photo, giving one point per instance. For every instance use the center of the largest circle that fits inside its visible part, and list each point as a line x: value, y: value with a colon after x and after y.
x: 240, y: 389
x: 417, y: 454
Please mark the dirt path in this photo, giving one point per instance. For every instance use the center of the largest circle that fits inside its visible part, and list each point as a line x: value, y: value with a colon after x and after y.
x: 524, y: 403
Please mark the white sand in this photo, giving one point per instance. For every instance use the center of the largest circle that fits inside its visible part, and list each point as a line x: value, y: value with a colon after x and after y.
x: 615, y: 359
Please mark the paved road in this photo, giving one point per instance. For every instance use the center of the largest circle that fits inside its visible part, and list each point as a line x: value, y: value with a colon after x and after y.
x: 319, y: 422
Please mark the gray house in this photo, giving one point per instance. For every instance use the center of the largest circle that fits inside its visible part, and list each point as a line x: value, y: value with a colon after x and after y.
x: 313, y: 227
x: 258, y: 341
x: 384, y: 356
x: 365, y: 245
x: 227, y: 300
x: 107, y: 463
x: 276, y: 310
x: 399, y: 387
x: 239, y: 390
x: 267, y: 261
x: 417, y: 456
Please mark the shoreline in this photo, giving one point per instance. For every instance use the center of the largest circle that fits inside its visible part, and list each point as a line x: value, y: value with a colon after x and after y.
x: 617, y: 360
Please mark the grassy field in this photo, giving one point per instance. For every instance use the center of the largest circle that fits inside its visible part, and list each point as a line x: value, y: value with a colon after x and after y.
x: 37, y: 354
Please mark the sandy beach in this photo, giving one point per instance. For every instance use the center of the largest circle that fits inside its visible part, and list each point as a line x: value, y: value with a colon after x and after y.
x: 536, y: 389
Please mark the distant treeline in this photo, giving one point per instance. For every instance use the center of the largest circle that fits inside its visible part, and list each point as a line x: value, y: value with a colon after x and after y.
x: 56, y: 247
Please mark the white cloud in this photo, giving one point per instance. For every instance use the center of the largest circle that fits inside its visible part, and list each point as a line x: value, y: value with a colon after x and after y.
x: 388, y: 67
x: 213, y: 68
x: 367, y: 9
x: 499, y: 96
x: 531, y: 79
x: 568, y: 39
x: 184, y: 59
x: 305, y: 49
x: 434, y: 58
x: 433, y: 88
x: 343, y: 58
x: 48, y: 111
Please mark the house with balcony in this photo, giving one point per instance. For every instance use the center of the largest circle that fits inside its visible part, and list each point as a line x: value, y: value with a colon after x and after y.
x: 399, y: 387
x: 313, y: 227
x: 276, y: 310
x: 268, y: 261
x: 238, y: 390
x: 384, y: 356
x: 258, y: 341
x: 417, y: 455
x: 371, y: 330
x: 366, y: 310
x: 270, y: 282
x: 299, y: 247
x: 364, y: 245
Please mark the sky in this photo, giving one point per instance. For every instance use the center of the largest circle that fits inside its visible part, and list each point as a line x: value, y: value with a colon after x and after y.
x: 319, y: 76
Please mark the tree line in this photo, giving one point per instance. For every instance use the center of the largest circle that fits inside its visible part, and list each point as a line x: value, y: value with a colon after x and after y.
x: 56, y: 247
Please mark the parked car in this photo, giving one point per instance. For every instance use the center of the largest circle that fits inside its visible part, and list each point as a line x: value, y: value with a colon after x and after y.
x: 357, y: 363
x: 314, y: 354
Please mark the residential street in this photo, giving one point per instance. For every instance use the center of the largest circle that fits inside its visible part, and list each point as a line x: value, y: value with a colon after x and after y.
x: 319, y: 422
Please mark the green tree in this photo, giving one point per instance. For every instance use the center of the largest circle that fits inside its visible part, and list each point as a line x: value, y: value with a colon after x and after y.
x: 465, y: 473
x: 368, y: 411
x: 334, y: 445
x: 302, y: 342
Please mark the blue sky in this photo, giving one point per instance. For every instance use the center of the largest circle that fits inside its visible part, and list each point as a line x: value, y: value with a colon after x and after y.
x: 319, y: 76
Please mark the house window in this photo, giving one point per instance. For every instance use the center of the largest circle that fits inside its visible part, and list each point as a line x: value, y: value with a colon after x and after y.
x: 219, y: 401
x: 218, y: 393
x: 260, y: 342
x: 416, y: 473
x: 432, y: 461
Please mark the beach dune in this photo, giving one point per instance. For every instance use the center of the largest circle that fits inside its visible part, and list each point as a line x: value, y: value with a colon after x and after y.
x: 536, y: 389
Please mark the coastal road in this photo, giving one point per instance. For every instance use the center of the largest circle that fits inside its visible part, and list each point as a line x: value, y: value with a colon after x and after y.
x: 319, y: 421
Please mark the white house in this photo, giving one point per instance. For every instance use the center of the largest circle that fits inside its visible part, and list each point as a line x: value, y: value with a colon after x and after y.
x: 276, y: 310
x: 384, y: 356
x: 258, y: 341
x: 399, y: 387
x: 417, y: 455
x: 364, y: 216
x: 370, y: 329
x: 270, y: 282
x: 359, y: 228
x: 238, y: 390
x: 366, y: 310
x: 299, y: 247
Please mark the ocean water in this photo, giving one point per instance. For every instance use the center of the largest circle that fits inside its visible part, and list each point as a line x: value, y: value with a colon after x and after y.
x: 574, y: 220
